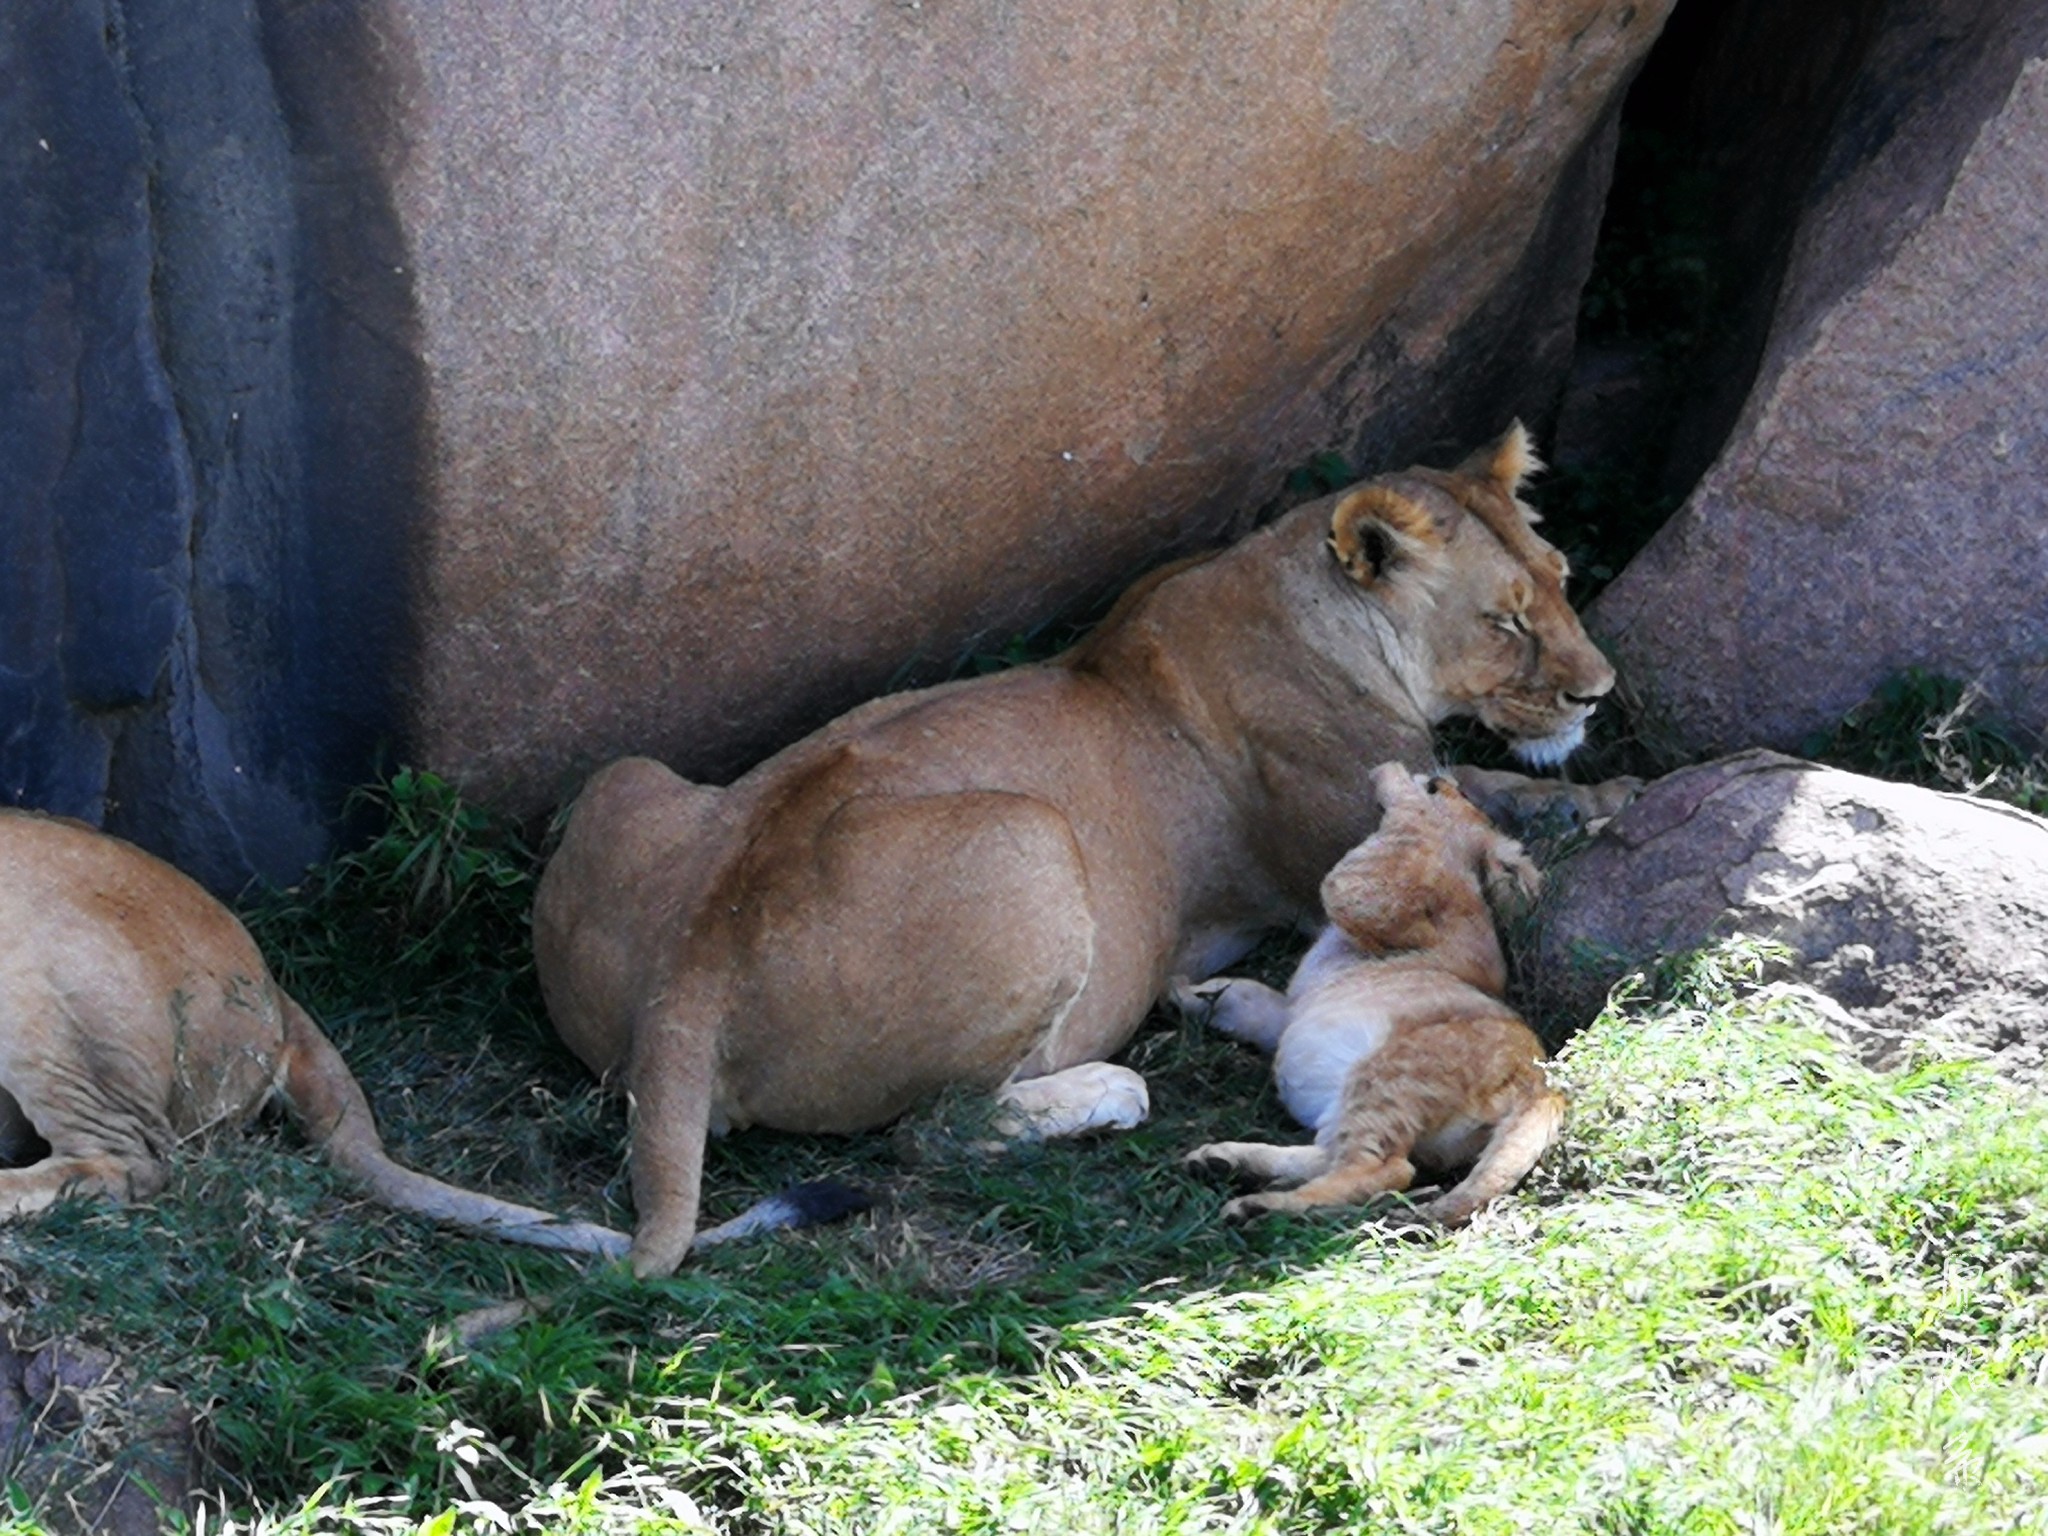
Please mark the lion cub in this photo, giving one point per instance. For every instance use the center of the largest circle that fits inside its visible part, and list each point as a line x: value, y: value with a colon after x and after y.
x: 1392, y: 1040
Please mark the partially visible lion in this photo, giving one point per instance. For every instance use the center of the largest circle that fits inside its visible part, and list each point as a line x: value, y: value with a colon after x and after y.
x: 137, y: 1013
x: 987, y: 883
x: 1392, y: 1041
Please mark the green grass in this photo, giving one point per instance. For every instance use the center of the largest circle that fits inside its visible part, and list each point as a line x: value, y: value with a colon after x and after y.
x: 1757, y: 1288
x: 1922, y: 728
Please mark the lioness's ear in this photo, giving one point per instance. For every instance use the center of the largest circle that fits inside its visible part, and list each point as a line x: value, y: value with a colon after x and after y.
x: 1507, y: 461
x: 1377, y: 529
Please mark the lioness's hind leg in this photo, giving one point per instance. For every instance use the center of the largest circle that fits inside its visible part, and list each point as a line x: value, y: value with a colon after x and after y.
x: 1095, y: 1096
x: 24, y: 1191
x: 20, y: 1142
x: 1245, y: 1010
x: 1261, y: 1162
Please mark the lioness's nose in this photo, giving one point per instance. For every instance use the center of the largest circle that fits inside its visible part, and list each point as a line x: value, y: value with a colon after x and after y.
x: 1594, y: 686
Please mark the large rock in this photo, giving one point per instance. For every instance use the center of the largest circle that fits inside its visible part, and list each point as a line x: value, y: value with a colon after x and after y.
x: 773, y: 352
x: 508, y: 385
x: 1880, y: 504
x: 1919, y: 913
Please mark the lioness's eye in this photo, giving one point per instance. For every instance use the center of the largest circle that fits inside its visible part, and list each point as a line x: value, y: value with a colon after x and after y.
x: 1513, y: 623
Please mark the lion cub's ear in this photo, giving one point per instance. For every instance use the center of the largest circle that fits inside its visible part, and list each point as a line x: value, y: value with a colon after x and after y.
x: 1377, y: 529
x: 1507, y: 461
x: 1385, y: 894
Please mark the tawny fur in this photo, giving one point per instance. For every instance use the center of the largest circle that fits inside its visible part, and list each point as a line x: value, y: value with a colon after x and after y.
x: 136, y: 1013
x: 1392, y: 1042
x: 988, y: 883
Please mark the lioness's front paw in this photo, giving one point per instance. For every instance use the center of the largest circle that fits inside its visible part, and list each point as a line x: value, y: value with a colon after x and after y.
x: 1094, y: 1096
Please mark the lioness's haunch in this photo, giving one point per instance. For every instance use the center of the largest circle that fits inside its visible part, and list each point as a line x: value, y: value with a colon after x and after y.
x: 135, y: 1012
x: 1392, y: 1041
x: 988, y: 883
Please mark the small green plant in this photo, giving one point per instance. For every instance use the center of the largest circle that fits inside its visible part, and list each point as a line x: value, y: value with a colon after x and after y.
x: 438, y: 898
x: 1323, y: 473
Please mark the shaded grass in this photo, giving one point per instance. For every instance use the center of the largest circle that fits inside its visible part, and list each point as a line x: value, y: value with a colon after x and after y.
x: 1920, y: 727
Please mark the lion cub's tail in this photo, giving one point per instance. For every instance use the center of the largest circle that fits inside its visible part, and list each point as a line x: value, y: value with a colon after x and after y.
x: 325, y: 1097
x: 1518, y: 1142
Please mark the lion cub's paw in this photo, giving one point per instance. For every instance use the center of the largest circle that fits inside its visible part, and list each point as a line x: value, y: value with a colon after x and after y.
x: 1600, y: 803
x: 1212, y: 1157
x: 1248, y: 1208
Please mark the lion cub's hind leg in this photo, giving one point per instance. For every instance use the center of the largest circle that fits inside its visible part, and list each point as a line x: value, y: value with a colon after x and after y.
x: 1353, y: 1181
x: 1518, y: 1142
x: 1260, y: 1162
x: 1430, y: 1094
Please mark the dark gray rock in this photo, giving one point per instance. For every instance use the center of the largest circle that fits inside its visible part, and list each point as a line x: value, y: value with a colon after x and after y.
x: 206, y: 445
x: 1920, y: 913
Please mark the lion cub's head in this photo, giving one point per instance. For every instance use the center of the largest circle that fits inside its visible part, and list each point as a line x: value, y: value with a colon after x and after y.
x: 1434, y: 862
x: 1454, y: 555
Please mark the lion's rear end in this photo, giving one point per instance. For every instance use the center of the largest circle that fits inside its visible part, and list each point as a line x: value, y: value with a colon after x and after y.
x: 135, y: 1011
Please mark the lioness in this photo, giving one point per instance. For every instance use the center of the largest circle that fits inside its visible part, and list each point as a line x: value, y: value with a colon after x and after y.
x: 136, y: 1012
x: 988, y: 882
x: 1392, y: 1038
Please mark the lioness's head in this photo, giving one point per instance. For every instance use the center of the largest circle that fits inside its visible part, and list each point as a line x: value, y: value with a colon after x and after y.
x: 1480, y: 622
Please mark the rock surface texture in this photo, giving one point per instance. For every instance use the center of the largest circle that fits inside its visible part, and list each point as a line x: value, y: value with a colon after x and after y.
x: 1919, y: 913
x: 506, y: 385
x: 202, y: 428
x: 775, y: 352
x: 1881, y: 503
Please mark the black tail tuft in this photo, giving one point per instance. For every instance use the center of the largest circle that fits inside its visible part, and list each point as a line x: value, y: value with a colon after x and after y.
x: 817, y: 1201
x: 810, y: 1204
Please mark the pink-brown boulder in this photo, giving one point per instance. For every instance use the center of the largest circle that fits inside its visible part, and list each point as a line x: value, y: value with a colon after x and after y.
x: 1880, y: 505
x: 772, y: 352
x: 1914, y: 914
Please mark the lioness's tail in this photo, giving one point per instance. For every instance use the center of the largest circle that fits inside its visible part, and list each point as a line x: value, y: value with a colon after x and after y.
x: 330, y: 1105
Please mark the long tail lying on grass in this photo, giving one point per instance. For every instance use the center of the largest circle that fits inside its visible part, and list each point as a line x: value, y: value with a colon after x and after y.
x: 329, y: 1104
